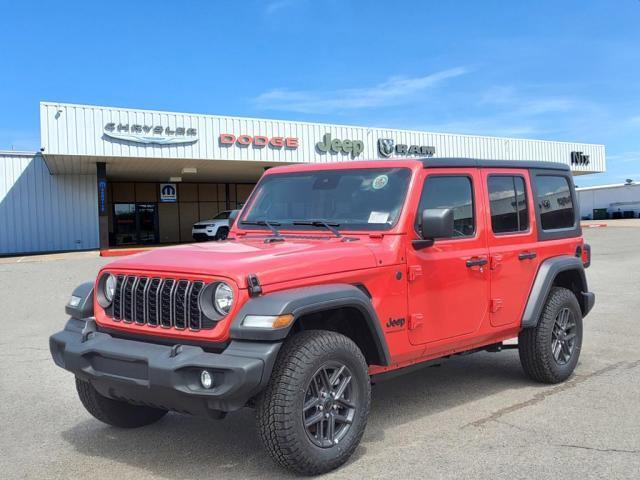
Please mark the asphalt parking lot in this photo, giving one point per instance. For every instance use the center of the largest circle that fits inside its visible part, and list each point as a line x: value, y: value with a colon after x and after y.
x: 473, y: 417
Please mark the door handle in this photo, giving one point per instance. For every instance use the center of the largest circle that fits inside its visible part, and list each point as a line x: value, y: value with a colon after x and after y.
x: 527, y: 256
x: 477, y: 262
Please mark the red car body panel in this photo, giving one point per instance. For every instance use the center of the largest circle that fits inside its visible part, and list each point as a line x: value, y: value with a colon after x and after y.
x: 462, y: 307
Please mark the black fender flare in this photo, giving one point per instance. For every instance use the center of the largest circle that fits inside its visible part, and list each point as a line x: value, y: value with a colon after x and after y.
x: 547, y: 273
x: 305, y: 300
x: 84, y: 308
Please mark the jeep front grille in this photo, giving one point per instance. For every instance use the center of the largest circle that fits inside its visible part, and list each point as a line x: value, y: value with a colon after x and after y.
x: 155, y: 301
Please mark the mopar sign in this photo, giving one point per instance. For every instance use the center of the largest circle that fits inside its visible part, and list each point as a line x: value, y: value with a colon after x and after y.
x: 168, y: 192
x: 388, y: 146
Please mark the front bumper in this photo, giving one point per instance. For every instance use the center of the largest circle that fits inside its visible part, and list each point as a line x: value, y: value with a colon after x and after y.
x: 202, y: 235
x: 164, y: 376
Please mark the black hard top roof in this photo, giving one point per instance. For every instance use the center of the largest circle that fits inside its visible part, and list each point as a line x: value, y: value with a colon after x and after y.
x: 475, y: 162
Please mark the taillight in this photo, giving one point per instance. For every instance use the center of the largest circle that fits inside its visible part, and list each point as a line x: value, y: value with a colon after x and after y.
x: 584, y: 252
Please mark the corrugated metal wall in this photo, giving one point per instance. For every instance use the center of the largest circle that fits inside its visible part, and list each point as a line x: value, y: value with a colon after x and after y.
x: 42, y: 212
x: 613, y: 198
x: 68, y: 129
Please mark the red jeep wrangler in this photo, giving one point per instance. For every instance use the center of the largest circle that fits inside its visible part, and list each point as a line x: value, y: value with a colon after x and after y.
x: 333, y: 276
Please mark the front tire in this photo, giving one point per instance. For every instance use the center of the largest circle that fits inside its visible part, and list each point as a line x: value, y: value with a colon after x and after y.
x: 549, y: 352
x: 313, y: 413
x: 222, y: 233
x: 114, y: 412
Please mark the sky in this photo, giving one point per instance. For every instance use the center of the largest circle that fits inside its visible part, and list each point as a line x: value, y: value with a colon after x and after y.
x: 546, y: 69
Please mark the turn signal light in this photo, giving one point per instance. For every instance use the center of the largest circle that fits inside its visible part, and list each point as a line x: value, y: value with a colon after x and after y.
x: 267, y: 321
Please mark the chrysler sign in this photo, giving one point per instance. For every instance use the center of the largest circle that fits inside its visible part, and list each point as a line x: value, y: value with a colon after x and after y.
x: 388, y: 146
x: 150, y: 134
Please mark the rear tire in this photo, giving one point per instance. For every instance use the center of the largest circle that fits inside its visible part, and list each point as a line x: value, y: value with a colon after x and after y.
x: 114, y: 412
x: 550, y: 351
x: 313, y: 413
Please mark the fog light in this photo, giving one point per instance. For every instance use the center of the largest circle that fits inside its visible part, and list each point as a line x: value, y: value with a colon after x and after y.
x: 206, y: 379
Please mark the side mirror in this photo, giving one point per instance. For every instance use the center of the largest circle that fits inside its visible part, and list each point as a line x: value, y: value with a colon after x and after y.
x: 436, y: 223
x: 232, y: 217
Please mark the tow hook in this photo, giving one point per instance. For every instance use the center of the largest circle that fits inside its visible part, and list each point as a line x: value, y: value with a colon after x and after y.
x: 175, y: 350
x: 88, y: 330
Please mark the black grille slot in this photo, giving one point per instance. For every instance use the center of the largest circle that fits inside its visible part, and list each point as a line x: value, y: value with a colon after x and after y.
x: 127, y: 296
x: 166, y: 292
x: 195, y: 320
x: 154, y: 301
x: 117, y: 299
x: 180, y: 299
x: 139, y: 311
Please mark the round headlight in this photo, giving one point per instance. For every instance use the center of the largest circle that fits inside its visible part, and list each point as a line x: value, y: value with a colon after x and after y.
x: 223, y: 298
x: 110, y: 287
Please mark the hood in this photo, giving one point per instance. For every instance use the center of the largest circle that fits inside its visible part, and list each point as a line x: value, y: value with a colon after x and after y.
x: 272, y: 262
x: 211, y: 222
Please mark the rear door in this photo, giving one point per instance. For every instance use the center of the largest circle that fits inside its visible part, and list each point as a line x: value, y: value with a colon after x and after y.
x: 448, y: 285
x: 512, y: 242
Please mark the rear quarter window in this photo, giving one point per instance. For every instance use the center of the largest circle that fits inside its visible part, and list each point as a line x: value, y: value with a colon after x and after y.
x: 555, y: 203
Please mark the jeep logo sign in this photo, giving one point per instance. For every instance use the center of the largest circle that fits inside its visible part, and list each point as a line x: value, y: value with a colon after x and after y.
x: 388, y: 146
x: 354, y: 147
x: 579, y: 158
x: 168, y: 192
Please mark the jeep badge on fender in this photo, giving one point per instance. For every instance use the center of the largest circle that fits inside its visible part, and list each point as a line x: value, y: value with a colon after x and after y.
x: 334, y: 275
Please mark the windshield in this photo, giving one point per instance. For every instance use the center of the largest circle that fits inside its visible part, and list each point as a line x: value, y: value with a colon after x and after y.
x: 222, y: 216
x: 358, y: 199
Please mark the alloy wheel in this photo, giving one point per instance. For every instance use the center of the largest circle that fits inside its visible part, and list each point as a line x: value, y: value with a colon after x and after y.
x: 329, y: 405
x: 563, y: 336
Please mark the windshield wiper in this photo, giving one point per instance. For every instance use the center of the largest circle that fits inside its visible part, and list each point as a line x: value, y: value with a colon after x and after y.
x: 321, y: 223
x: 270, y: 224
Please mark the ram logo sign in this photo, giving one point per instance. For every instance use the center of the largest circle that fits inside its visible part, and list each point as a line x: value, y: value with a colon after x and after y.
x: 168, y: 193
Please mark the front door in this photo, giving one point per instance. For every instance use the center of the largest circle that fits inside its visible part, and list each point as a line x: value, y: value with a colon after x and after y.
x: 449, y: 281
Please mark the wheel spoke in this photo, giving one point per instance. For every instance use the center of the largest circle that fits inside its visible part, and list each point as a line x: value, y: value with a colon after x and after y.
x: 312, y: 402
x: 345, y: 403
x: 326, y: 381
x: 336, y: 375
x: 331, y: 428
x: 342, y: 419
x: 566, y: 350
x: 313, y: 419
x: 556, y: 350
x: 343, y: 386
x: 570, y: 336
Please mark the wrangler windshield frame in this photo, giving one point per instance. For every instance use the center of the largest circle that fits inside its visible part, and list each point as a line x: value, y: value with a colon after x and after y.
x: 357, y: 199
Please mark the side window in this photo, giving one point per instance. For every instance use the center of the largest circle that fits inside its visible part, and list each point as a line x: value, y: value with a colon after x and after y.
x: 508, y: 202
x: 453, y: 192
x: 554, y: 201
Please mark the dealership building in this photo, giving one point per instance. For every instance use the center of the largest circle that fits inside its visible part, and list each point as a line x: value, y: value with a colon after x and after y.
x: 108, y: 177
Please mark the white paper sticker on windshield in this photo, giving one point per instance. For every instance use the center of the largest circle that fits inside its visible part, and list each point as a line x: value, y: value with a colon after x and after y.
x: 378, y: 217
x: 380, y: 182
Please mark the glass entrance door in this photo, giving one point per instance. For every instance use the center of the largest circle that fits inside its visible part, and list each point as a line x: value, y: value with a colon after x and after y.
x: 147, y: 219
x: 135, y: 223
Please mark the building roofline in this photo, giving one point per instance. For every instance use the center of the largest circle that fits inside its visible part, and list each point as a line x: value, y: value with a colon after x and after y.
x: 18, y: 153
x: 605, y: 187
x: 233, y: 117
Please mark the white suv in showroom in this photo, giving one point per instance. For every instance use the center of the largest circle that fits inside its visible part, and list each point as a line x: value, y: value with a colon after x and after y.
x: 215, y: 229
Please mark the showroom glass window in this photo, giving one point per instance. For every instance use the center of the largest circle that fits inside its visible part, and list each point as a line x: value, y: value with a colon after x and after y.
x: 555, y: 202
x: 454, y: 192
x: 508, y: 203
